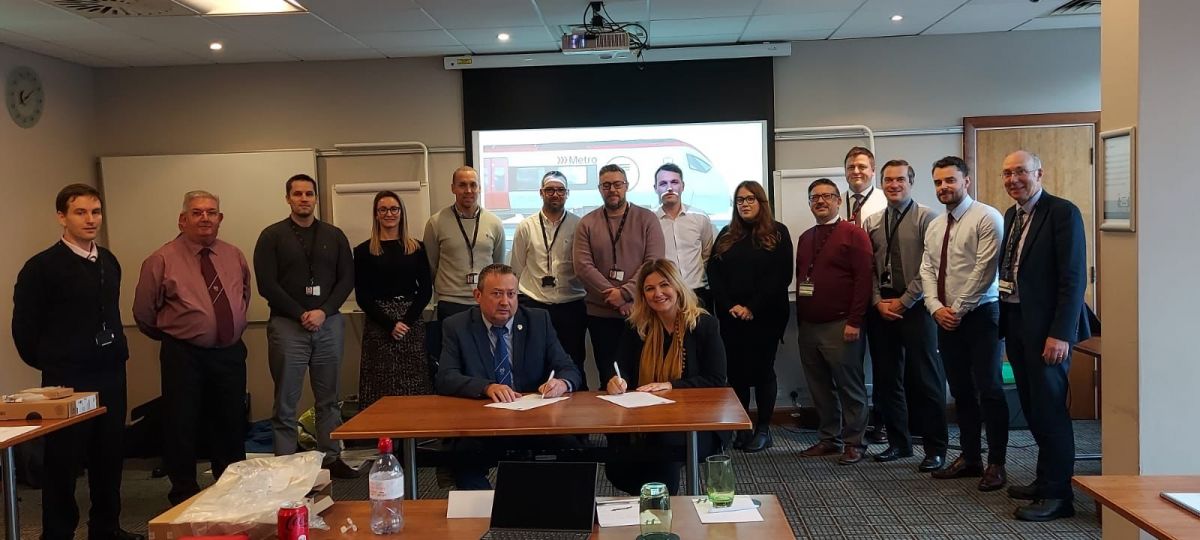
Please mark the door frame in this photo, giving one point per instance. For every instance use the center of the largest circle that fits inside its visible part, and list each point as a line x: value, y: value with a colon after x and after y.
x: 971, y: 124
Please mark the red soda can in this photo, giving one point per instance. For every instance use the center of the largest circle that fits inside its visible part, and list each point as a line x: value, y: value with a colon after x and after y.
x: 293, y: 521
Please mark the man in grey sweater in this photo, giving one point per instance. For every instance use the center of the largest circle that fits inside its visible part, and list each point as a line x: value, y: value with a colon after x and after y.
x: 611, y: 243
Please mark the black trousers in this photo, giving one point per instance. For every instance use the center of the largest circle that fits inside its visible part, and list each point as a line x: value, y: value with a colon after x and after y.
x: 971, y: 355
x: 98, y: 445
x: 570, y: 325
x: 629, y: 471
x: 204, y: 395
x: 605, y: 333
x: 1043, y: 392
x: 750, y: 354
x: 910, y: 382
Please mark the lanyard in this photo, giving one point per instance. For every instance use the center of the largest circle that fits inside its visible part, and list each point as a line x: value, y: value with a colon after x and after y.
x: 620, y: 228
x: 474, y: 235
x: 891, y: 233
x: 858, y: 207
x: 550, y: 243
x: 816, y: 251
x: 306, y: 249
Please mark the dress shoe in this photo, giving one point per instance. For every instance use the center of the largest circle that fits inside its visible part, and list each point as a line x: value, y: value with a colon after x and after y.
x: 118, y: 534
x: 876, y: 435
x: 1026, y: 493
x: 892, y: 454
x: 759, y: 442
x: 932, y: 463
x: 1045, y: 510
x: 960, y: 468
x: 739, y: 440
x: 822, y: 448
x: 339, y: 469
x: 994, y: 478
x: 851, y: 455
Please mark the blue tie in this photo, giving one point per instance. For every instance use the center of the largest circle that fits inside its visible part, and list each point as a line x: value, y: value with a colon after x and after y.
x: 503, y: 363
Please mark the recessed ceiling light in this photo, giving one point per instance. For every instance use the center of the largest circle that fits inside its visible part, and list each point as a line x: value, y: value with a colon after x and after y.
x: 241, y: 7
x: 216, y: 46
x: 897, y: 18
x: 503, y: 36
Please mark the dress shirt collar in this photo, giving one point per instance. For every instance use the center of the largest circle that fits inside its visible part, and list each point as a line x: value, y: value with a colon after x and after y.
x: 195, y: 248
x: 1032, y: 202
x: 91, y: 254
x: 487, y: 324
x: 683, y: 210
x: 900, y: 206
x: 833, y: 221
x: 962, y: 207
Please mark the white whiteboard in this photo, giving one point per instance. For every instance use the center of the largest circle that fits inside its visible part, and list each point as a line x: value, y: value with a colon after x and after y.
x: 791, y: 199
x: 143, y: 196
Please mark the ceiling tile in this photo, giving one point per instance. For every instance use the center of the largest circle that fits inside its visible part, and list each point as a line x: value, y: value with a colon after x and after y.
x: 427, y: 51
x: 558, y: 12
x: 873, y: 19
x: 696, y: 9
x: 188, y: 34
x: 62, y: 52
x: 390, y: 41
x: 805, y: 7
x: 696, y: 27
x: 371, y: 15
x: 714, y: 39
x: 783, y: 27
x: 514, y: 48
x: 478, y: 14
x: 517, y: 35
x: 1063, y: 21
x: 275, y: 26
x: 324, y: 53
x: 989, y: 16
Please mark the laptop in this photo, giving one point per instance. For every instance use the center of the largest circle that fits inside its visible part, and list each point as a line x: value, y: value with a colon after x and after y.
x: 1187, y: 501
x: 543, y: 500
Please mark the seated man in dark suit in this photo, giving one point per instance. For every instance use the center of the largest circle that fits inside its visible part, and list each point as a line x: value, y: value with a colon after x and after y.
x: 501, y: 351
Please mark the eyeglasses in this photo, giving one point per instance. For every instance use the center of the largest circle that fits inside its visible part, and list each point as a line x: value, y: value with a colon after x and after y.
x: 554, y: 191
x: 818, y: 197
x: 388, y: 211
x: 1019, y: 171
x: 609, y: 186
x: 739, y: 201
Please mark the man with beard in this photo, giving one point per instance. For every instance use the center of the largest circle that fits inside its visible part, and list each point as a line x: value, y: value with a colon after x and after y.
x: 687, y: 231
x: 611, y: 243
x: 958, y: 275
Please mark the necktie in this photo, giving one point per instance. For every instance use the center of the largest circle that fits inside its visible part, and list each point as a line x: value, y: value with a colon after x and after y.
x: 856, y: 209
x: 220, y: 300
x: 941, y: 277
x: 1007, y: 273
x: 502, y: 361
x: 897, y: 265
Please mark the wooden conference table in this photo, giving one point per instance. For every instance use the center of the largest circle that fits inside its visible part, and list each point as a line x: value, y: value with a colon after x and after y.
x: 414, y: 417
x: 1137, y: 499
x: 12, y: 521
x: 427, y: 519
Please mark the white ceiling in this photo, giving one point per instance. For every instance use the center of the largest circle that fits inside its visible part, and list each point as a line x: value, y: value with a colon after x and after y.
x: 361, y: 29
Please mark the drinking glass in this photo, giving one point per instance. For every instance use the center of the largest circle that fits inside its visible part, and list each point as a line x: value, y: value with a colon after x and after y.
x: 718, y: 480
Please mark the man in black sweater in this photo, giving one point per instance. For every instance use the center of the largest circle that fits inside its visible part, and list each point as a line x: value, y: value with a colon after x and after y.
x: 67, y: 324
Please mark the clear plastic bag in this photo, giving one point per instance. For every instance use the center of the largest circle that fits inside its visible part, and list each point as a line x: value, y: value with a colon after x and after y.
x: 246, y: 499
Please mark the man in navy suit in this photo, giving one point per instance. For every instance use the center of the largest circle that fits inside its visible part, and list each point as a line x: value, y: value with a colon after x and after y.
x: 500, y: 351
x: 1042, y: 283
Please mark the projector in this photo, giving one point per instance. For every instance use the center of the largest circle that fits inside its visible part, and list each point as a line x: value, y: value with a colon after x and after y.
x: 596, y: 43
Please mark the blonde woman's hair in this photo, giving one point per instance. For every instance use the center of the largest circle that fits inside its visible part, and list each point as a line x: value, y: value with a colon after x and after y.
x: 376, y: 246
x: 653, y: 366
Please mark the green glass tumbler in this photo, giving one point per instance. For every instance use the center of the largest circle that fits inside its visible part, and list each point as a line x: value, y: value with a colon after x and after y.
x: 719, y: 481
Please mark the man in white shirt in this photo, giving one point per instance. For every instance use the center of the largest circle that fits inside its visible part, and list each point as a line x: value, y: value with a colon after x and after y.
x: 687, y: 231
x: 958, y: 276
x: 862, y: 199
x: 541, y: 256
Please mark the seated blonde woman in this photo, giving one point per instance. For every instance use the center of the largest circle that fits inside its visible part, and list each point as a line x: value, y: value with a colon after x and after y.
x: 670, y: 342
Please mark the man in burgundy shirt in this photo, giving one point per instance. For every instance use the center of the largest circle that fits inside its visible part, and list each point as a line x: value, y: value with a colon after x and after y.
x: 192, y: 295
x: 833, y: 286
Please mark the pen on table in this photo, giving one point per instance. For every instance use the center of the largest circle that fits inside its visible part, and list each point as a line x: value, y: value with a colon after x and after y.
x: 548, y: 379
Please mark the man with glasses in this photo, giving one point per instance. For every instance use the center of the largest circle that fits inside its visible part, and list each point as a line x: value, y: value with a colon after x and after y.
x: 541, y: 256
x: 958, y: 275
x: 611, y: 243
x: 833, y: 288
x: 1043, y: 277
x: 687, y: 231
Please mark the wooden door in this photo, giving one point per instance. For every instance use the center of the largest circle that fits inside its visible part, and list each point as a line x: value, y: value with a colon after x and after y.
x: 1066, y: 153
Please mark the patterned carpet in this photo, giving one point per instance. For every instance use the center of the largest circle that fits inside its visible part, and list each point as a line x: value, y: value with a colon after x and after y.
x: 821, y: 499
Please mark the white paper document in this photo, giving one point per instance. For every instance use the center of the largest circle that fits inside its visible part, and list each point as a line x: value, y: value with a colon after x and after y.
x: 7, y: 433
x: 617, y: 511
x: 526, y: 402
x: 742, y: 510
x: 633, y: 400
x: 470, y: 504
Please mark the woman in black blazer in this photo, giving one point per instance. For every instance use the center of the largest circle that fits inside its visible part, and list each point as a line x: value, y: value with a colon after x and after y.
x: 749, y: 273
x: 670, y: 342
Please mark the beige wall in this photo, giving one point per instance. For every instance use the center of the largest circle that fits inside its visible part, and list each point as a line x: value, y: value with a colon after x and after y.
x: 36, y: 163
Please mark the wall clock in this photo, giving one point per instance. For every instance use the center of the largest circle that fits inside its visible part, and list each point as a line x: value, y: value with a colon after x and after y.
x: 24, y: 96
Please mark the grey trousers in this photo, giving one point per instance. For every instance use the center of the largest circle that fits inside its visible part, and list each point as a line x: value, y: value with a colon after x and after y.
x: 834, y: 371
x: 292, y: 351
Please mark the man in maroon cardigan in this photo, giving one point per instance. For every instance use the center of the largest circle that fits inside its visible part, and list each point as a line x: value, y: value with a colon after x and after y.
x: 833, y: 289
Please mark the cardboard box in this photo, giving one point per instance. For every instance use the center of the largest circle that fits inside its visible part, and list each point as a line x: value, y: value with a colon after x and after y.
x: 73, y: 405
x: 162, y: 528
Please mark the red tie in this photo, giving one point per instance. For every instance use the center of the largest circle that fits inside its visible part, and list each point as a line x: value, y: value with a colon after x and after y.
x: 220, y: 300
x: 942, y: 264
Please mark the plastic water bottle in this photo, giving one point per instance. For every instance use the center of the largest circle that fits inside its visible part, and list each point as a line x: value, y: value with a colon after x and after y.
x: 386, y: 485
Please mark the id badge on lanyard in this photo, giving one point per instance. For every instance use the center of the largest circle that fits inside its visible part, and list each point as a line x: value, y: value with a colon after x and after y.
x: 804, y: 288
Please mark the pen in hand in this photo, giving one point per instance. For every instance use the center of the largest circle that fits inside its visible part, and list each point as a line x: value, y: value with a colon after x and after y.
x: 546, y: 387
x: 621, y: 384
